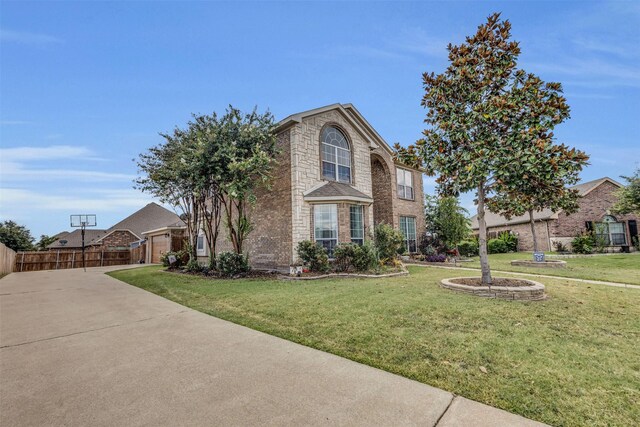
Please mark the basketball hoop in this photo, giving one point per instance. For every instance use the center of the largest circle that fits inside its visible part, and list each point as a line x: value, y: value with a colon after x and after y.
x: 82, y: 222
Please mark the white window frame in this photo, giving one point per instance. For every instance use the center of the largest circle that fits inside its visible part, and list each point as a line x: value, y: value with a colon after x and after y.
x: 338, y: 153
x: 201, y: 247
x: 357, y: 240
x: 603, y: 230
x: 404, y: 229
x: 405, y: 190
x: 334, y: 227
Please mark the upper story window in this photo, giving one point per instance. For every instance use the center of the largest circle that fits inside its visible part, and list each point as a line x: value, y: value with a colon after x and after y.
x: 336, y: 155
x: 405, y: 183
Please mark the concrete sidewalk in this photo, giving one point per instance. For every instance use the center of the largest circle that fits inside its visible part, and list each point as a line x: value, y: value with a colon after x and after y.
x: 82, y: 348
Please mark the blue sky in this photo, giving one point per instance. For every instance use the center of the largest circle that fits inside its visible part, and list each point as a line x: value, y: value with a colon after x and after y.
x: 86, y: 86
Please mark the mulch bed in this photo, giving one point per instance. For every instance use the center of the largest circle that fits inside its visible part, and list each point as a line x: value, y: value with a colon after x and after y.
x: 253, y: 274
x: 497, y: 282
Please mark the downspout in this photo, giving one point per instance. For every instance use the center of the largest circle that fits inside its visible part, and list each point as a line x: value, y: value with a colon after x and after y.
x: 548, y: 236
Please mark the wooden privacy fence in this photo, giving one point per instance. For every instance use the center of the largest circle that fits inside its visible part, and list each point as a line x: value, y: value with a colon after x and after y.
x: 139, y: 254
x: 58, y: 260
x: 7, y: 259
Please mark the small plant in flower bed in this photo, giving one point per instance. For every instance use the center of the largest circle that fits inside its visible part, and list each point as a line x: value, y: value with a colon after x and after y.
x: 497, y: 246
x: 352, y: 257
x: 435, y: 258
x: 313, y: 256
x: 232, y: 264
x: 388, y: 241
x: 583, y: 243
x: 182, y: 257
x: 468, y: 248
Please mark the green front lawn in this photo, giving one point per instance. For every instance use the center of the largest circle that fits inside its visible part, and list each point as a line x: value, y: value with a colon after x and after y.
x: 571, y: 360
x: 622, y: 268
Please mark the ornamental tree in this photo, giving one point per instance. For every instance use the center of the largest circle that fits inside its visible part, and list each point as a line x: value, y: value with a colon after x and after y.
x: 473, y: 109
x: 540, y: 179
x: 629, y: 196
x: 446, y: 219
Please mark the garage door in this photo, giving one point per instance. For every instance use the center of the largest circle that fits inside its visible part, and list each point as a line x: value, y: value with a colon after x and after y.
x: 158, y: 247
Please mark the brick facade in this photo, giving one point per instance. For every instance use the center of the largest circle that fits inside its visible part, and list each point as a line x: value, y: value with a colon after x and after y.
x: 282, y: 217
x: 593, y: 206
x: 118, y: 239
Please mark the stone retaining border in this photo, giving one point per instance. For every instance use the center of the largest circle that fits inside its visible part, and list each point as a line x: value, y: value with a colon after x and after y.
x: 346, y: 275
x: 535, y: 292
x: 550, y: 263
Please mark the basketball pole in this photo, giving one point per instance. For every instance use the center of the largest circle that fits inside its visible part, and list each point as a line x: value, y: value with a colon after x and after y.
x: 82, y: 232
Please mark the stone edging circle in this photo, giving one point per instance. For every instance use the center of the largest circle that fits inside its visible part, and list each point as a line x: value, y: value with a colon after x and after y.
x: 550, y: 263
x: 534, y: 292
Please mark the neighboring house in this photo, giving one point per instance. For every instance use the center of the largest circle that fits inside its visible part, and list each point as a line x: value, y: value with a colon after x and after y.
x: 152, y: 220
x: 594, y: 214
x: 336, y: 178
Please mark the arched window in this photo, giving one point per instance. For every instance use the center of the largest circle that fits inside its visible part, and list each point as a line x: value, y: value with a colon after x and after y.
x: 336, y: 155
x: 610, y: 232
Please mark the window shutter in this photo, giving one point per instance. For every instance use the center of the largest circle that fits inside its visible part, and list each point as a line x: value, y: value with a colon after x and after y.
x: 588, y: 225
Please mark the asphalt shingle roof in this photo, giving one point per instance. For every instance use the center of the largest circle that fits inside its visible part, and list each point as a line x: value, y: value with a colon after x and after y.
x: 336, y: 189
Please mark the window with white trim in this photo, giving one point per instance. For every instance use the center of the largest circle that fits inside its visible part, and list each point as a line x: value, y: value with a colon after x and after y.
x: 325, y: 224
x: 336, y: 155
x: 611, y: 232
x: 408, y: 229
x: 405, y: 183
x: 356, y: 214
x: 200, y: 244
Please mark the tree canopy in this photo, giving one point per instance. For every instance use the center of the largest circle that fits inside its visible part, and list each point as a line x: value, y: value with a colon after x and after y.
x: 16, y: 237
x: 629, y: 196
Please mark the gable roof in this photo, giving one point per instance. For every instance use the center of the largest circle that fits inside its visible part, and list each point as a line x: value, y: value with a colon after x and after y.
x: 152, y: 216
x: 149, y: 217
x: 332, y: 190
x: 495, y: 220
x: 74, y: 238
x: 350, y: 113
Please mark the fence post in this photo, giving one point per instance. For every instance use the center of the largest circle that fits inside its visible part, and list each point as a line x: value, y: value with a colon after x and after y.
x: 73, y: 258
x: 22, y: 261
x: 57, y: 259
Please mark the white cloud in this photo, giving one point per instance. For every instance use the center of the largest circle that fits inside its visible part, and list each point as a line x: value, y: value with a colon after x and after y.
x: 52, y: 152
x: 24, y: 37
x: 15, y: 172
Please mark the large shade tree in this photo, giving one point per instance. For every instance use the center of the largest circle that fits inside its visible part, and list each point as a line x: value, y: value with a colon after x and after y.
x: 15, y: 236
x: 474, y: 140
x: 629, y: 196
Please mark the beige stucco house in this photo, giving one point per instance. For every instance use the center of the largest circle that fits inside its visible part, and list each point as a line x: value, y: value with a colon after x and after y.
x: 336, y: 178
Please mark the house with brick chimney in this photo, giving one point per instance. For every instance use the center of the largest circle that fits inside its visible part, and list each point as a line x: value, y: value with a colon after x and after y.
x: 336, y: 178
x: 594, y: 215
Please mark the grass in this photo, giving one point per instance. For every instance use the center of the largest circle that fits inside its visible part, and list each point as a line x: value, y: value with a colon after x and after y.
x: 570, y: 360
x: 622, y: 268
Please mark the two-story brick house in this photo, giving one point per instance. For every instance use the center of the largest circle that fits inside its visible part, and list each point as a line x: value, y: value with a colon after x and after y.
x: 336, y: 178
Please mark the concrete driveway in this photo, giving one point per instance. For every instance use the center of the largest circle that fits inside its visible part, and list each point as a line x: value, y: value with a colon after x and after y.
x: 81, y: 349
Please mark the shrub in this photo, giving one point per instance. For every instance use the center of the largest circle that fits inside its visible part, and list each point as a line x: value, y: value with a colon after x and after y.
x: 388, y: 241
x: 510, y: 239
x: 181, y: 258
x: 559, y: 246
x: 583, y: 243
x: 435, y: 258
x: 430, y: 244
x: 636, y: 243
x: 232, y: 264
x: 468, y: 248
x: 360, y: 258
x: 497, y: 246
x: 313, y: 255
x: 193, y: 266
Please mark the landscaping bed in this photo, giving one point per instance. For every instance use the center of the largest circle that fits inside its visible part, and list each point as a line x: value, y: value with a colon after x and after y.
x: 501, y: 287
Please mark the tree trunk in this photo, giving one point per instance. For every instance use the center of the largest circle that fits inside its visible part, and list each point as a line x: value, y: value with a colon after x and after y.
x: 482, y: 238
x: 533, y: 231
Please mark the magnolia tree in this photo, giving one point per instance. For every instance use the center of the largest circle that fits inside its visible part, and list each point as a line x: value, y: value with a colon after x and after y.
x: 489, y: 126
